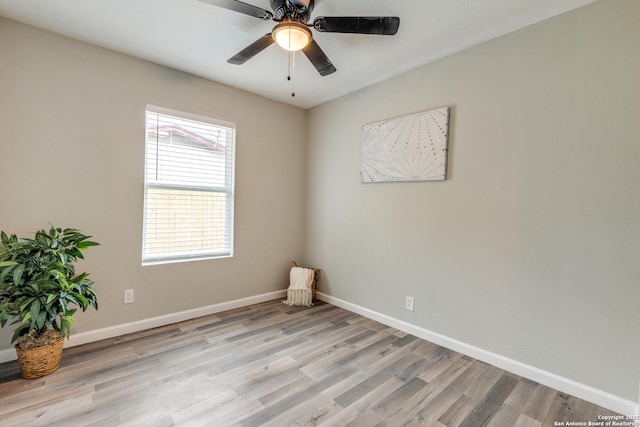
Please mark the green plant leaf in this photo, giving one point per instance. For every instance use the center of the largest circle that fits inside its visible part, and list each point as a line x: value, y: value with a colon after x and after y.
x: 17, y: 274
x: 80, y: 278
x: 4, y: 316
x: 4, y: 264
x: 25, y: 303
x: 72, y: 298
x: 5, y: 271
x: 65, y: 328
x: 51, y: 298
x: 86, y: 244
x: 35, y: 309
x: 19, y: 332
x: 81, y: 301
x: 41, y: 320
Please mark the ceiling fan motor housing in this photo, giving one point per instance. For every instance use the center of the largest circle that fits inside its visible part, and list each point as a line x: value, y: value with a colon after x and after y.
x: 298, y: 10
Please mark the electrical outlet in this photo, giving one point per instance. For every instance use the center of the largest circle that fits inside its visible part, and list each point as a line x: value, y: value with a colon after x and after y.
x: 409, y: 303
x: 128, y: 296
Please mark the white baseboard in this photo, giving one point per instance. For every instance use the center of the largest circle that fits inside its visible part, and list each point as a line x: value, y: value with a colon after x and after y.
x: 154, y: 322
x: 565, y: 385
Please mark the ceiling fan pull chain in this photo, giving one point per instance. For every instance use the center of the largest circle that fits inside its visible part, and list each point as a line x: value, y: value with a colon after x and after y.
x: 290, y: 53
x: 292, y: 72
x: 292, y: 69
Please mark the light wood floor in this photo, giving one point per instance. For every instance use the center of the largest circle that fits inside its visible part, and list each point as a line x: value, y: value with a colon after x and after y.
x: 274, y: 365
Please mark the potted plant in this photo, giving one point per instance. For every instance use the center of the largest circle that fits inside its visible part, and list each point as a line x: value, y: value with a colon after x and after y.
x: 40, y: 291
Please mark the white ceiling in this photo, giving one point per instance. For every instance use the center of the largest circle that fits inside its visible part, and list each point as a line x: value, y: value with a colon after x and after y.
x: 198, y: 38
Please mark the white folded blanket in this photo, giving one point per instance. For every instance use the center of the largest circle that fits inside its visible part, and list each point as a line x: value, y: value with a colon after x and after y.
x: 300, y: 282
x: 300, y: 278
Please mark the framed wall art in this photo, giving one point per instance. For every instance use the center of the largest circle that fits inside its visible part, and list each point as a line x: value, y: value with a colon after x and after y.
x: 407, y: 148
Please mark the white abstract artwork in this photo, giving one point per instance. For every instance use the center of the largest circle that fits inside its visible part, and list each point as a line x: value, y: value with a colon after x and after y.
x: 407, y: 148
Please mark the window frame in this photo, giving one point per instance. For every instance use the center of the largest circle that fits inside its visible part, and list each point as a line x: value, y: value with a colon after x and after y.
x: 228, y: 190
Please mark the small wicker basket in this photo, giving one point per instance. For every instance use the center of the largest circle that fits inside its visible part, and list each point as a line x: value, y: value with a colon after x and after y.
x: 316, y: 277
x: 40, y: 361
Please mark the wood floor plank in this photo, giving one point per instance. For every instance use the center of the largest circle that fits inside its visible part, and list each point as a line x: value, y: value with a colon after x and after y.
x: 520, y: 395
x: 396, y: 401
x: 226, y: 410
x: 311, y: 411
x: 481, y: 386
x: 526, y: 421
x: 457, y: 412
x: 506, y: 416
x: 436, y: 367
x: 491, y: 403
x: 407, y: 339
x: 46, y: 411
x: 373, y: 381
x: 271, y: 364
x: 439, y: 395
x: 368, y: 418
x: 540, y: 402
x: 294, y: 397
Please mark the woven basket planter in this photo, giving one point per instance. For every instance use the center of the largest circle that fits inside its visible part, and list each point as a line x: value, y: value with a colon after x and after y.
x: 40, y: 361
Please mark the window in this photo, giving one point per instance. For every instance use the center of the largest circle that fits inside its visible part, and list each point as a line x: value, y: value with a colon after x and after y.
x: 188, y: 188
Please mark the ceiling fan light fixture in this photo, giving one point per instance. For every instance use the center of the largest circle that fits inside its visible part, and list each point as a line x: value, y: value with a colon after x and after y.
x: 292, y: 36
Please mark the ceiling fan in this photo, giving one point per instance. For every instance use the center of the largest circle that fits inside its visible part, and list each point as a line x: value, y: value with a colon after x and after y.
x: 292, y: 31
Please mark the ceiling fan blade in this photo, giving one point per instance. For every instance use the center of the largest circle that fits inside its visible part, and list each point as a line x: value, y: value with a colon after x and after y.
x: 318, y: 58
x: 238, y: 6
x: 381, y: 25
x: 252, y: 50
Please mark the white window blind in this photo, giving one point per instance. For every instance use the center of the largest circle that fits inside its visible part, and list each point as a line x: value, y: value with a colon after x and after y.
x: 188, y: 197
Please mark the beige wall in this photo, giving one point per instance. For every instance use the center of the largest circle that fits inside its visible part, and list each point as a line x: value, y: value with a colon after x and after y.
x: 531, y: 248
x: 72, y: 153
